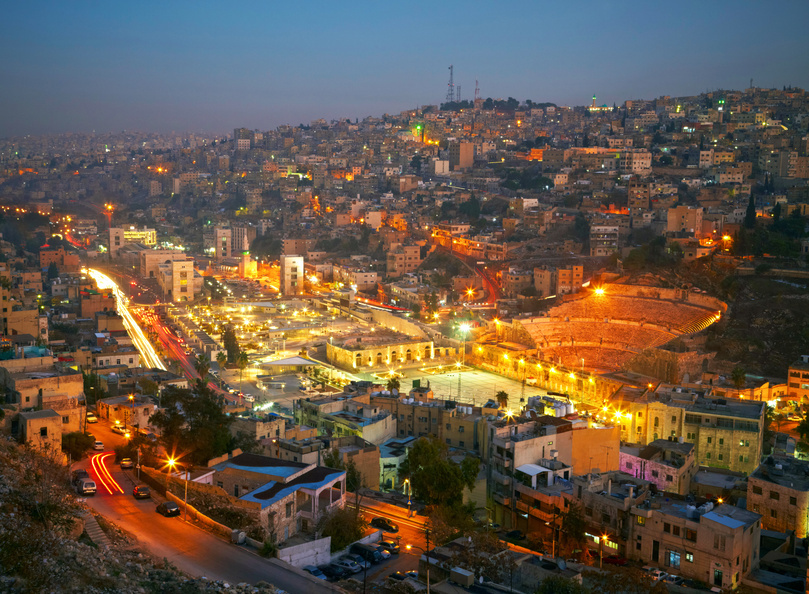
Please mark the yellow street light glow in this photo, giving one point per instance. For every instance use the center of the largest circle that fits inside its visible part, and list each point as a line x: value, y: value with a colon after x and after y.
x: 599, y: 291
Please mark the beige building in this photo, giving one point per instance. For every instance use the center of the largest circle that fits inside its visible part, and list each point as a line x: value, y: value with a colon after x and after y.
x: 403, y: 259
x: 42, y: 430
x: 779, y: 491
x: 222, y: 242
x: 604, y: 240
x: 150, y: 260
x: 516, y: 280
x: 461, y: 155
x: 798, y: 386
x: 292, y: 275
x: 178, y: 280
x: 685, y: 219
x: 715, y: 545
x: 120, y: 236
x: 339, y: 416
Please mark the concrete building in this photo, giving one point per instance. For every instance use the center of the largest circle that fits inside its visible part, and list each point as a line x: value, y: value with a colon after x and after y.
x: 338, y: 416
x: 779, y: 491
x: 120, y: 236
x: 123, y: 410
x: 669, y: 465
x: 715, y: 545
x: 798, y: 383
x: 292, y: 275
x: 222, y: 242
x: 151, y: 259
x: 402, y: 259
x: 604, y: 240
x: 516, y: 280
x: 381, y: 351
x: 461, y: 155
x: 178, y: 280
x: 685, y: 219
x: 42, y: 430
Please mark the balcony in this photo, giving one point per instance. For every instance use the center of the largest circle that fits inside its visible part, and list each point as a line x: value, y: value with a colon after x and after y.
x: 501, y: 499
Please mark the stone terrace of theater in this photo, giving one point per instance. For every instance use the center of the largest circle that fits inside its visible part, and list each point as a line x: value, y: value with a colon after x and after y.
x: 364, y: 340
x: 607, y: 330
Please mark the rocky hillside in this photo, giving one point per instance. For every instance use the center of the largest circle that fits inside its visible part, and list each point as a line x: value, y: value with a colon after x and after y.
x: 43, y: 546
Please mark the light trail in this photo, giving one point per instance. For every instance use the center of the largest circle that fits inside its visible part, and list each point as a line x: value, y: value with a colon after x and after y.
x: 103, y: 475
x: 143, y: 345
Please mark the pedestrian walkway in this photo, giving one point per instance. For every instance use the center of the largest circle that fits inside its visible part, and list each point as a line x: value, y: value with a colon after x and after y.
x: 95, y: 532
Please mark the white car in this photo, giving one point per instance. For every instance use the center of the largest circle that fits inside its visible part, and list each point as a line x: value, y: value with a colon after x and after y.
x: 658, y: 575
x: 249, y: 398
x: 98, y: 445
x: 91, y: 418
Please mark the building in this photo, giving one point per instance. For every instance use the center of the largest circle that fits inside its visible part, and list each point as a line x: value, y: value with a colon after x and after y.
x: 461, y: 155
x: 515, y: 281
x: 222, y: 242
x: 669, y: 465
x: 120, y: 236
x: 403, y: 259
x: 779, y: 490
x: 151, y: 259
x: 604, y: 240
x: 291, y: 496
x: 379, y: 351
x: 798, y: 383
x: 339, y: 416
x: 42, y: 430
x: 131, y: 410
x: 685, y: 220
x: 715, y: 545
x: 178, y: 280
x: 292, y: 275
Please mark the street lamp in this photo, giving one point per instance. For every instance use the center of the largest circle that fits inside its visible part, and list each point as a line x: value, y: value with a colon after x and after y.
x: 464, y: 328
x: 427, y: 553
x: 172, y: 463
x: 601, y: 549
x: 409, y: 500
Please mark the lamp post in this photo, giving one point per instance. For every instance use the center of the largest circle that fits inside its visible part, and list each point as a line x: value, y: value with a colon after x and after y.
x: 172, y: 463
x: 464, y: 328
x: 409, y: 500
x: 601, y: 549
x: 427, y: 553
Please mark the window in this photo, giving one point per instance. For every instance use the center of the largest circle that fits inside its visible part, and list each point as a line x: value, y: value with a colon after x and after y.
x: 793, y: 501
x: 775, y: 495
x: 721, y: 441
x: 689, y: 557
x: 757, y: 490
x: 435, y: 420
x: 588, y: 511
x: 669, y: 478
x: 720, y: 456
x: 447, y: 424
x: 774, y: 513
x: 710, y: 440
x: 708, y: 455
x: 667, y: 527
x: 43, y: 432
x: 691, y: 535
x: 219, y: 484
x: 449, y: 441
x: 657, y: 421
x: 655, y: 474
x: 691, y: 436
x: 289, y: 510
x: 640, y: 415
x: 460, y: 429
x: 719, y: 542
x: 673, y: 559
x: 460, y: 444
x: 675, y: 530
x: 66, y: 420
x: 755, y: 508
x: 640, y: 520
x: 605, y: 518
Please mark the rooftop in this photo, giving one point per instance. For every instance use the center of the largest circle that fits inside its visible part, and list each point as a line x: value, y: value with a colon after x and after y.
x: 262, y: 465
x: 786, y: 472
x: 274, y: 491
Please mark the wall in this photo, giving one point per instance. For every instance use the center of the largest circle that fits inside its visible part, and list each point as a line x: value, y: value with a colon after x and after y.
x: 317, y: 552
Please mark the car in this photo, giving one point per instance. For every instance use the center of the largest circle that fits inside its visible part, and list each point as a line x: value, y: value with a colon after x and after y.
x: 119, y: 429
x: 347, y: 565
x: 658, y: 575
x: 86, y: 487
x: 98, y: 445
x: 614, y: 560
x: 314, y: 571
x: 674, y: 580
x: 78, y: 475
x: 141, y: 492
x: 91, y: 418
x: 385, y: 524
x: 127, y: 463
x: 384, y: 552
x: 515, y: 534
x: 398, y: 576
x: 168, y: 509
x: 359, y: 560
x: 412, y: 574
x: 389, y: 546
x: 794, y: 417
x: 249, y: 398
x: 333, y: 572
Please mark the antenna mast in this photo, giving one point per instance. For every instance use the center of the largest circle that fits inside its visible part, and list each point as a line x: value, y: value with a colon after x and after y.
x: 450, y: 87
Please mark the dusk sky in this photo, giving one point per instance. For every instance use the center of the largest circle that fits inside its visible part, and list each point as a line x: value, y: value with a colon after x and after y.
x: 205, y: 66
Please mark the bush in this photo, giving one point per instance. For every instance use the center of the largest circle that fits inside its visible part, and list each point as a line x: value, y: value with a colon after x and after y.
x: 268, y: 549
x: 76, y: 444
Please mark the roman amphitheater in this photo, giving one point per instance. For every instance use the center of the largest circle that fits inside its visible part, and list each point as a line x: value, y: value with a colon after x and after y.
x: 604, y: 330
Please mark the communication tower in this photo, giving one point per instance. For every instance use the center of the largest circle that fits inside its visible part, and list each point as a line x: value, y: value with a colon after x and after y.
x: 450, y: 87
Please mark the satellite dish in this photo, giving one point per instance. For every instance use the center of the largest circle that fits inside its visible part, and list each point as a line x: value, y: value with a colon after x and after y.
x: 561, y: 564
x: 395, y: 391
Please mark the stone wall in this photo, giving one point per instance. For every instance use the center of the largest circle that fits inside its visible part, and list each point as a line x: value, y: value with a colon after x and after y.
x: 317, y: 552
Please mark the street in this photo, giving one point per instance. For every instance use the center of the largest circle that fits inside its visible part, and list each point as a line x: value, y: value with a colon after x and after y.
x: 191, y: 549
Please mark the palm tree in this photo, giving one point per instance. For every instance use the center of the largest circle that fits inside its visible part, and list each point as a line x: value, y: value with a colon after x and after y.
x: 241, y: 362
x: 202, y: 365
x: 222, y: 360
x: 393, y: 383
x: 502, y: 399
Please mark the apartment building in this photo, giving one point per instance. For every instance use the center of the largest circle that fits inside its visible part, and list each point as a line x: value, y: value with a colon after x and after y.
x: 685, y: 219
x: 402, y: 259
x: 461, y: 155
x: 779, y: 490
x: 669, y: 465
x: 178, y: 280
x: 341, y: 415
x: 798, y: 382
x: 516, y: 280
x: 292, y: 275
x: 222, y: 242
x: 604, y: 240
x: 151, y: 259
x: 120, y: 236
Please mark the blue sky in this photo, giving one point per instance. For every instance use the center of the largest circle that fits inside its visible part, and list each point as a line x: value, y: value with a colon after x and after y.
x: 212, y: 66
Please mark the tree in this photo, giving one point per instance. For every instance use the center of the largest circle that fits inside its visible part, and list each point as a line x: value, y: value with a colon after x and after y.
x: 739, y: 377
x: 572, y: 530
x: 193, y: 421
x: 53, y: 271
x: 242, y: 363
x: 231, y: 343
x: 434, y: 477
x: 393, y: 384
x: 750, y: 214
x: 343, y: 525
x: 76, y: 444
x: 558, y: 585
x: 502, y: 398
x: 202, y: 365
x: 803, y: 429
x: 484, y: 555
x: 221, y: 359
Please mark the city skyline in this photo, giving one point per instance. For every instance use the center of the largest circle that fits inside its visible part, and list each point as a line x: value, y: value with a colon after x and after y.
x: 159, y: 69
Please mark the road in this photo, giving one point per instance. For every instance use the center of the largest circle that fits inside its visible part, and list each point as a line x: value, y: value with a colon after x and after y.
x: 189, y: 548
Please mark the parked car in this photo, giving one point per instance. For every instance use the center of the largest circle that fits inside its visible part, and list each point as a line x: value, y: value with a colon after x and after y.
x: 384, y: 552
x: 311, y: 569
x: 384, y: 524
x: 98, y: 445
x: 657, y: 574
x: 334, y: 572
x: 674, y: 580
x: 127, y: 463
x: 389, y: 546
x: 119, y: 429
x: 141, y: 492
x: 367, y: 552
x: 359, y: 560
x: 398, y: 576
x: 794, y: 417
x: 77, y: 476
x: 412, y: 574
x: 168, y: 509
x: 249, y: 398
x: 615, y: 560
x: 92, y: 418
x: 348, y: 565
x: 86, y: 487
